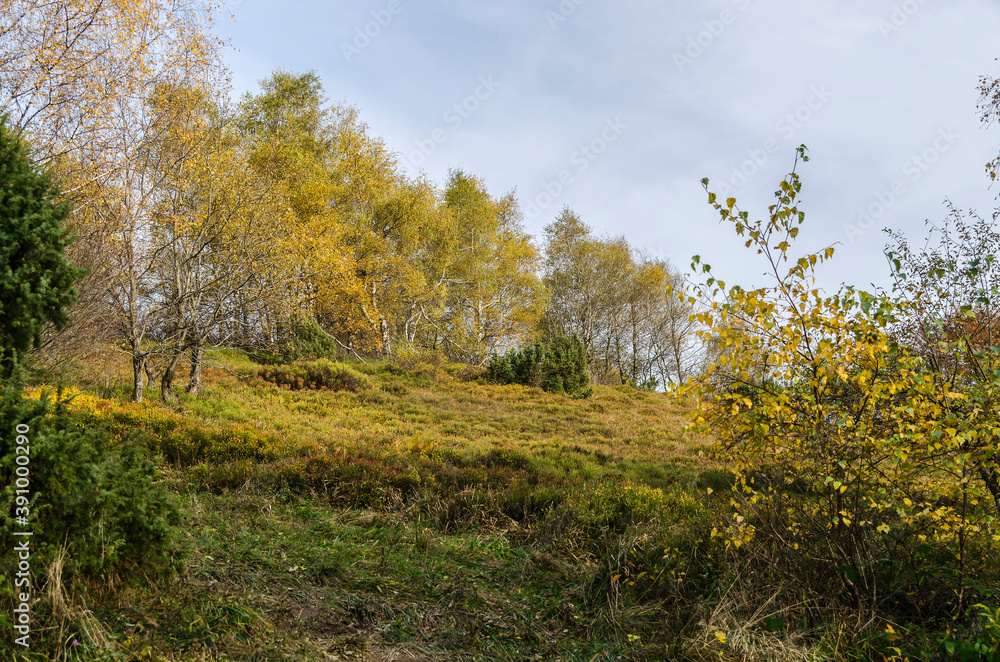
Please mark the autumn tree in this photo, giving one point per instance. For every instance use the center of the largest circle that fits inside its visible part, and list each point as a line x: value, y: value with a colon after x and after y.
x: 953, y: 287
x: 421, y: 319
x: 384, y: 239
x: 679, y: 354
x: 585, y: 276
x: 494, y: 296
x: 381, y: 260
x: 72, y: 70
x: 76, y: 77
x: 91, y: 334
x: 353, y: 232
x: 132, y: 200
x: 291, y: 136
x: 650, y: 337
x: 619, y: 303
x: 213, y: 226
x: 952, y: 316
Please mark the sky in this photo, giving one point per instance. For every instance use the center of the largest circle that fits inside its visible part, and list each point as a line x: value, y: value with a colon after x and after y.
x: 618, y: 110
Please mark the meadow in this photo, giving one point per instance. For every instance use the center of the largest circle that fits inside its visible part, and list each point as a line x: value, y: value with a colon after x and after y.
x: 421, y: 513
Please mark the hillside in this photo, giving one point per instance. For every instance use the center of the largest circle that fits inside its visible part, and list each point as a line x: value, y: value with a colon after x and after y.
x: 428, y: 515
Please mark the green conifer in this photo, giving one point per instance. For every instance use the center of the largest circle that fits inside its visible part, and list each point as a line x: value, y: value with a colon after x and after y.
x: 36, y: 278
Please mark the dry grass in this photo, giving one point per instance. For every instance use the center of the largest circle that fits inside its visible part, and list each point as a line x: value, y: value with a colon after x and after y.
x: 427, y: 413
x: 69, y: 614
x: 525, y: 508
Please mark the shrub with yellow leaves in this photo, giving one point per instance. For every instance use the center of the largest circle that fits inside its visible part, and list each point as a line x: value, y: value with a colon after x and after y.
x: 862, y: 478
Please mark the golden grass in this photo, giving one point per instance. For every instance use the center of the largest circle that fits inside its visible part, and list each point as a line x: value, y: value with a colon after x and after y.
x: 427, y: 412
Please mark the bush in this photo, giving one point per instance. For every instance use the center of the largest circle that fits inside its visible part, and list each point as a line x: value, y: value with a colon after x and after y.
x: 305, y: 340
x: 866, y: 480
x: 557, y: 366
x: 96, y: 501
x: 318, y: 375
x: 309, y: 342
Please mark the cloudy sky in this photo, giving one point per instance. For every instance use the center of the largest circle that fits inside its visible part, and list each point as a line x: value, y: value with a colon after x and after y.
x: 619, y: 109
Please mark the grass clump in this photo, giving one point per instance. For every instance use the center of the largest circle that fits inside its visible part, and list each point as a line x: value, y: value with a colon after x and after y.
x: 321, y: 374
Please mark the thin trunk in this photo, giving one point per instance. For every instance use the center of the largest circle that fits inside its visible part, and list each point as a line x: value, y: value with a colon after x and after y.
x: 167, y: 380
x: 150, y: 371
x: 197, y: 354
x: 138, y: 367
x: 386, y: 340
x: 635, y: 344
x: 678, y: 360
x: 383, y: 326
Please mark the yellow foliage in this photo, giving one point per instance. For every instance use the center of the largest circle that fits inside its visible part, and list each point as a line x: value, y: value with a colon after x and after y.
x: 826, y: 419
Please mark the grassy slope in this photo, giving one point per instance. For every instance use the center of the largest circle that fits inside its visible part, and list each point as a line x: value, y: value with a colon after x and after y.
x: 430, y: 411
x: 486, y: 522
